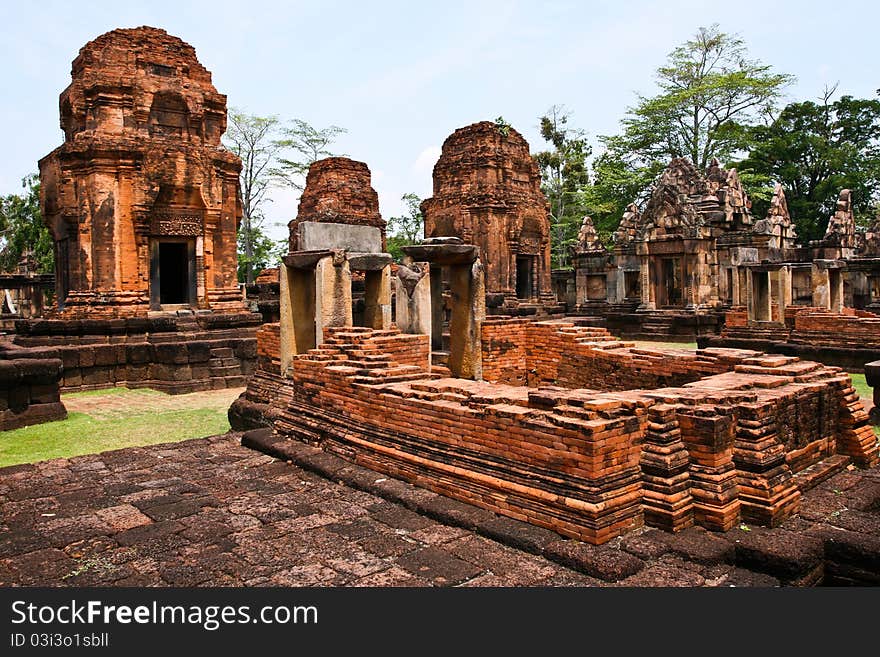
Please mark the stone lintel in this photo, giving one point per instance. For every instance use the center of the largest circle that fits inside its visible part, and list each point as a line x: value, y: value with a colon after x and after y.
x: 443, y: 254
x: 368, y: 261
x: 305, y: 259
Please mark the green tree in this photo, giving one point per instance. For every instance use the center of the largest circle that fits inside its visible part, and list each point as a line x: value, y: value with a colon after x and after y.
x: 564, y: 175
x: 255, y: 140
x: 272, y: 155
x: 814, y: 150
x: 709, y: 91
x: 308, y: 145
x: 22, y: 229
x: 406, y: 229
x: 265, y: 252
x: 710, y: 94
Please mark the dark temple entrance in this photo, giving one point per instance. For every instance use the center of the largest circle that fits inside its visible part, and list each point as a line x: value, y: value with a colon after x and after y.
x: 524, y: 278
x: 172, y: 273
x: 670, y: 286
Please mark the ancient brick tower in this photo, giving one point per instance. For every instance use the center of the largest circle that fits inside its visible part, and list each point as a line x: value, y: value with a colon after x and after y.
x: 487, y: 191
x: 338, y: 190
x: 141, y: 199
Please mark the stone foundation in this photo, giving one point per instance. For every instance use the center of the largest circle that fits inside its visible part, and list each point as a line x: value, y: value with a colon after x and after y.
x: 29, y: 388
x: 174, y: 354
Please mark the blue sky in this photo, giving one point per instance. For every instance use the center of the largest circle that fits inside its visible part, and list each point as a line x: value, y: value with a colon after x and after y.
x: 401, y: 76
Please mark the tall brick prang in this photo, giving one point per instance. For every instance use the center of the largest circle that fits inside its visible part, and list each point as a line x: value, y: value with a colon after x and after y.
x: 487, y: 191
x: 141, y: 199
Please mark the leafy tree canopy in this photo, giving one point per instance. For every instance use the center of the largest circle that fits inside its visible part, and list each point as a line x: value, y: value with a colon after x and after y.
x: 814, y: 150
x: 564, y: 176
x: 406, y: 229
x: 22, y: 231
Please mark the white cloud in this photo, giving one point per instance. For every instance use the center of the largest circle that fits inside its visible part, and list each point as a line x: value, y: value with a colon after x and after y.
x: 426, y: 160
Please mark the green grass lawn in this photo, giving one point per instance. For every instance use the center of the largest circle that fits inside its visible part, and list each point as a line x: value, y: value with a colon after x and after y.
x: 83, y: 434
x: 861, y: 386
x: 647, y: 344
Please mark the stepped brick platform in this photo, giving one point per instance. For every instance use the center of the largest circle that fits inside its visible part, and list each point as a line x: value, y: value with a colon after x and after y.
x: 173, y: 353
x: 712, y: 437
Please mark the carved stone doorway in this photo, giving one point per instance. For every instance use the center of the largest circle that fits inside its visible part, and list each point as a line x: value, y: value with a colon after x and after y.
x: 525, y: 288
x: 172, y: 273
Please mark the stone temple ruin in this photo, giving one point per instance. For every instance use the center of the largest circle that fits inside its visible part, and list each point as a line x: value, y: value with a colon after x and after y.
x: 143, y: 204
x: 694, y: 262
x: 487, y: 192
x: 456, y: 370
x: 562, y: 426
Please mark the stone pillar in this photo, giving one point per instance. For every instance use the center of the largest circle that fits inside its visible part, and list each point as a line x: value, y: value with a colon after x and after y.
x: 413, y: 299
x: 821, y: 287
x: 297, y: 313
x: 332, y: 294
x: 835, y: 290
x: 645, y: 287
x: 377, y: 298
x: 784, y: 283
x: 437, y: 310
x: 735, y: 297
x: 468, y: 312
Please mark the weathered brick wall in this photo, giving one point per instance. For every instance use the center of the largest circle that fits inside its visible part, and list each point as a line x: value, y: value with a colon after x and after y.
x: 838, y: 330
x: 586, y: 464
x: 524, y: 352
x: 29, y: 390
x: 269, y: 348
x: 736, y: 317
x: 505, y: 353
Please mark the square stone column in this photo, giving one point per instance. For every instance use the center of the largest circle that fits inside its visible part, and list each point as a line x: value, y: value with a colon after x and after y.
x: 377, y: 298
x: 333, y: 294
x: 821, y: 287
x: 413, y: 299
x: 645, y: 288
x: 735, y: 295
x: 784, y: 283
x: 468, y: 312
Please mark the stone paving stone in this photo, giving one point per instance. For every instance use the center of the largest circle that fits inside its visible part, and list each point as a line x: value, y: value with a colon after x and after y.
x: 666, y: 571
x: 698, y: 545
x: 438, y: 566
x: 645, y: 545
x: 67, y: 523
x: 598, y: 561
x: 788, y: 556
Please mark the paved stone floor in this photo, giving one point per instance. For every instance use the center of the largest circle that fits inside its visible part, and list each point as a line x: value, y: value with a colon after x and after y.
x: 122, y: 402
x: 210, y: 512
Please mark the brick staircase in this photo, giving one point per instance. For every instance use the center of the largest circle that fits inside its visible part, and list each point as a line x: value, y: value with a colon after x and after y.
x: 359, y: 353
